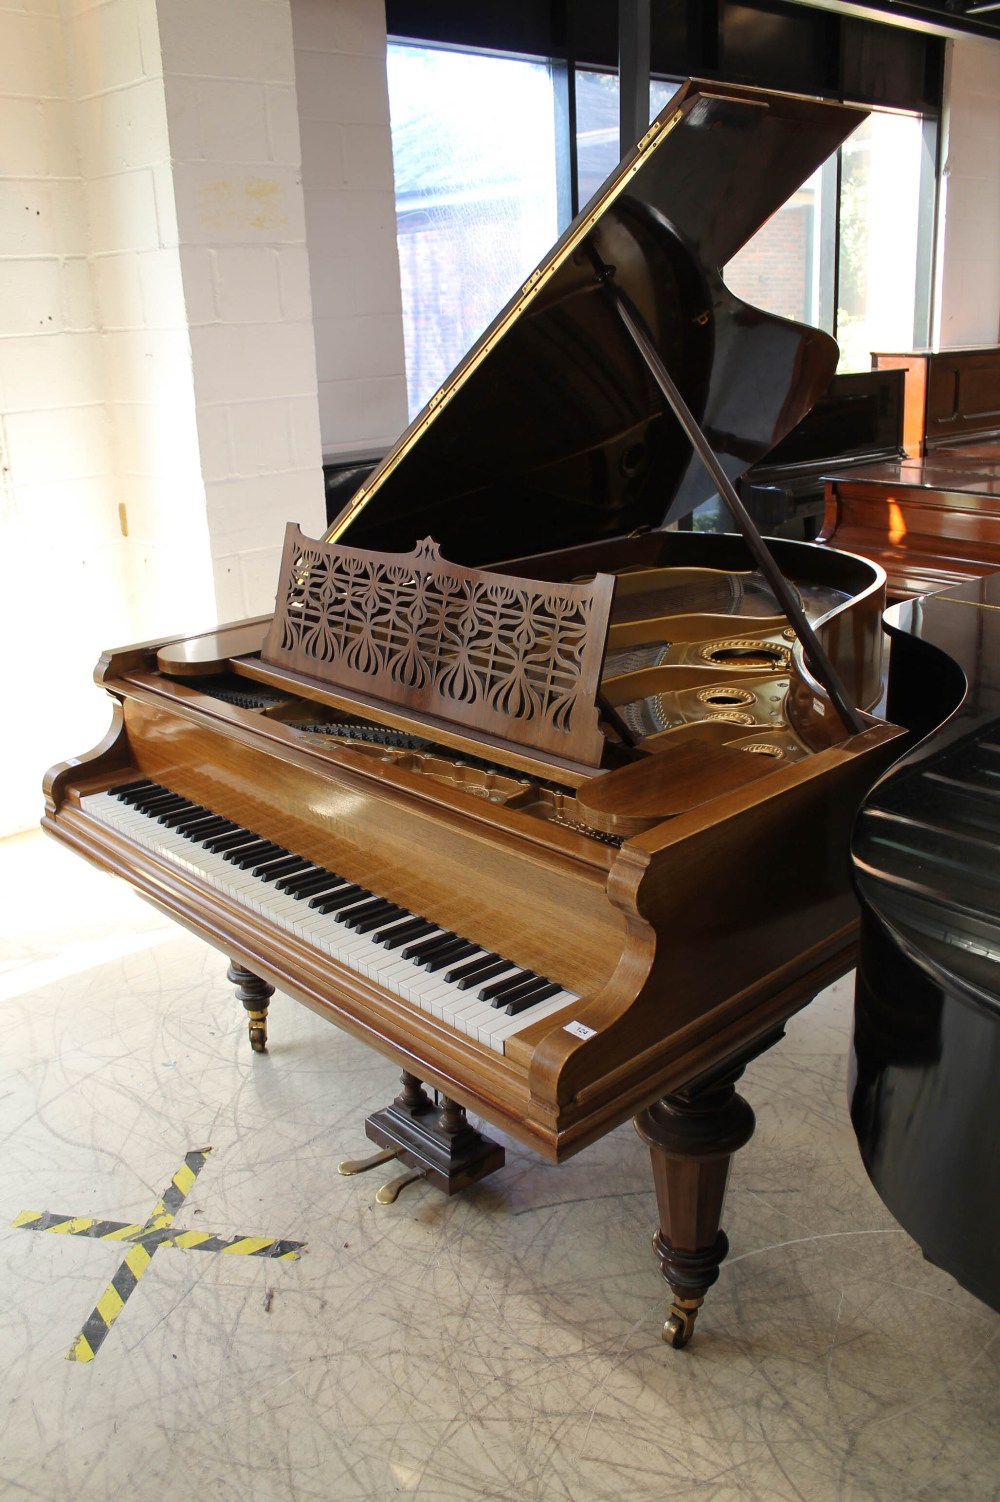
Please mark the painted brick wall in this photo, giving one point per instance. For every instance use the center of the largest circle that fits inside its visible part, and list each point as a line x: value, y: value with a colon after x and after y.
x: 112, y: 49
x: 968, y: 300
x: 157, y: 367
x: 64, y: 566
x: 229, y: 85
x: 343, y: 106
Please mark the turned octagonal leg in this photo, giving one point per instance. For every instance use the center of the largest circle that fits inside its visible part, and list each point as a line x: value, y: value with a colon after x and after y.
x: 692, y: 1135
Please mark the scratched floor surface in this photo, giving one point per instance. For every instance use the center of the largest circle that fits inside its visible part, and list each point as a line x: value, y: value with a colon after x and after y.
x: 503, y: 1345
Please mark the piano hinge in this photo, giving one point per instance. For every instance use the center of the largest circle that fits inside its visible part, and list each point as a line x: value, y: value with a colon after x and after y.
x: 652, y: 132
x: 532, y: 280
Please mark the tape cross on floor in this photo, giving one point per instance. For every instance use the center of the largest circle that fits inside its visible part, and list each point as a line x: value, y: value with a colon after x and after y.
x: 143, y: 1242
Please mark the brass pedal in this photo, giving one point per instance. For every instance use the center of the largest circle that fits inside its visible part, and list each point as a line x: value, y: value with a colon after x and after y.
x: 361, y: 1165
x: 390, y: 1192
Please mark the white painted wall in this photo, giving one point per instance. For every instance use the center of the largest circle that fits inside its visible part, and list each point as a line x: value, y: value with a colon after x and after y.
x: 64, y: 564
x: 157, y: 499
x: 158, y: 403
x: 229, y: 86
x: 343, y: 102
x: 968, y: 266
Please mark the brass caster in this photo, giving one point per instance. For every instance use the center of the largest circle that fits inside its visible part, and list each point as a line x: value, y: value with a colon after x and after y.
x: 390, y: 1192
x: 257, y: 1024
x: 680, y: 1322
x: 362, y: 1165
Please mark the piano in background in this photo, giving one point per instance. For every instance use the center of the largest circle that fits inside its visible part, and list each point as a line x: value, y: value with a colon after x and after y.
x: 952, y: 400
x: 930, y: 518
x: 544, y: 800
x: 858, y: 421
x: 924, y: 1099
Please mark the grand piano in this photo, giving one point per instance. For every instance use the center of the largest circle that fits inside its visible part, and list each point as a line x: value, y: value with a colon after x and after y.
x: 930, y: 516
x: 926, y: 1056
x: 545, y: 800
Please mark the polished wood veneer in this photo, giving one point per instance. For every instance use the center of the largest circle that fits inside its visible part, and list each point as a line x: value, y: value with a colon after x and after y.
x: 929, y: 523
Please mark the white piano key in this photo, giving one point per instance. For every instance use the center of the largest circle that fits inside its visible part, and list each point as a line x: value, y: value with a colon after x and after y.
x: 427, y: 991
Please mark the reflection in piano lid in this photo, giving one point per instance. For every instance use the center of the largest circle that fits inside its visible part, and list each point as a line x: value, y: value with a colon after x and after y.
x: 505, y: 703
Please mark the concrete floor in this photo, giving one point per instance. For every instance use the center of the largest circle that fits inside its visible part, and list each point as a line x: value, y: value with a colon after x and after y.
x: 501, y: 1345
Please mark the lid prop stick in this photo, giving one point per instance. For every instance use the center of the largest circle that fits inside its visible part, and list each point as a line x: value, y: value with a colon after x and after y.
x: 812, y: 648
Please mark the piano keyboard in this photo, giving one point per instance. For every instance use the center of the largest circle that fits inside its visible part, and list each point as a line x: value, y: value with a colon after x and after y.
x: 477, y: 992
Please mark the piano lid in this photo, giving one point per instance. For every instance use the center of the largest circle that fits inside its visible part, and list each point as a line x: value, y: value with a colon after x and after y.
x: 552, y: 431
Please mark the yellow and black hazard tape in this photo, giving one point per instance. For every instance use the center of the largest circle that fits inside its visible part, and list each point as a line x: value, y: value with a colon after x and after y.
x: 145, y: 1239
x: 189, y: 1241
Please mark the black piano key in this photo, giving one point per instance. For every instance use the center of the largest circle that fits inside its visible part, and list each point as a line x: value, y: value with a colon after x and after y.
x: 139, y: 785
x: 187, y: 824
x: 215, y: 826
x: 483, y: 972
x: 148, y: 790
x: 219, y: 844
x: 389, y: 926
x: 461, y: 949
x: 471, y: 967
x: 257, y: 842
x: 271, y: 866
x: 246, y: 856
x: 531, y: 998
x: 174, y: 818
x: 152, y: 794
x: 404, y: 931
x: 521, y: 989
x: 338, y: 886
x: 310, y: 882
x: 378, y: 923
x: 345, y: 897
x: 378, y: 908
x: 158, y: 803
x: 427, y: 945
x: 506, y: 983
x: 281, y: 866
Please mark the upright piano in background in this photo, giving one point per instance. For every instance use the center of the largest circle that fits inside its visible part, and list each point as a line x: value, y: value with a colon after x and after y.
x: 952, y: 399
x: 930, y: 518
x: 544, y: 800
x: 856, y: 422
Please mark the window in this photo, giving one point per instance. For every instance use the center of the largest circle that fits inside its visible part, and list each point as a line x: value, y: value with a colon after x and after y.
x: 784, y: 268
x: 881, y: 304
x: 476, y: 196
x: 597, y: 128
x: 881, y: 222
x: 481, y: 157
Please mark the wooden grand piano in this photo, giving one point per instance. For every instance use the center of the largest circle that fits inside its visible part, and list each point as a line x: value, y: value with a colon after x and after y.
x: 547, y: 802
x: 929, y: 517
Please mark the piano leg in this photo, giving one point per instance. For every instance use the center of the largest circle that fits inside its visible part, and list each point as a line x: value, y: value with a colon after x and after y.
x: 692, y: 1135
x: 255, y: 994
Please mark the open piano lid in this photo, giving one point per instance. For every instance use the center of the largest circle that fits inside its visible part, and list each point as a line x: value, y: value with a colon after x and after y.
x: 552, y: 430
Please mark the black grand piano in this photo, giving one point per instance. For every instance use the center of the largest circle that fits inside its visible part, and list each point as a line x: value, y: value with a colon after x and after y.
x: 925, y: 1088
